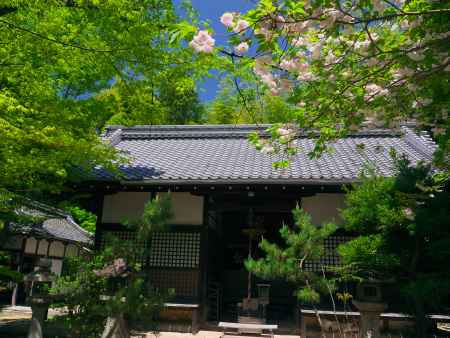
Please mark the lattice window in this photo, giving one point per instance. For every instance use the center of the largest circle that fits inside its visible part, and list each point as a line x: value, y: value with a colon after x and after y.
x: 167, y: 249
x: 330, y: 256
x: 129, y: 238
x: 175, y: 250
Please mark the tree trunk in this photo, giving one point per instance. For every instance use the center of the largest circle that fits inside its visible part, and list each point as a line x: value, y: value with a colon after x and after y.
x: 116, y: 327
x: 420, y: 318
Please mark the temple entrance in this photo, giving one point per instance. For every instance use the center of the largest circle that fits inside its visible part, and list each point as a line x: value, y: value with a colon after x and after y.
x: 242, y: 223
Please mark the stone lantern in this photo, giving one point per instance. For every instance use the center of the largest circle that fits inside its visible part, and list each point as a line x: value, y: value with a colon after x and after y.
x: 38, y: 282
x: 369, y: 302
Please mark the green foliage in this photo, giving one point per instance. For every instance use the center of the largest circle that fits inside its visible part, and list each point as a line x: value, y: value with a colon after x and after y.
x: 86, y: 219
x: 404, y: 234
x: 365, y: 255
x: 302, y: 242
x: 39, y: 150
x: 249, y: 104
x: 173, y: 100
x: 92, y: 290
x: 180, y: 97
x: 81, y: 290
x: 7, y: 274
x: 371, y: 206
x: 69, y: 67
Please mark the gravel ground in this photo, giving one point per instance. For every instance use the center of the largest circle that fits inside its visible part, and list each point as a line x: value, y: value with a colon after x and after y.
x: 14, y: 322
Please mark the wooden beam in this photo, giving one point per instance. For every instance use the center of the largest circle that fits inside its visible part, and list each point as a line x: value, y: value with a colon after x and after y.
x: 113, y: 187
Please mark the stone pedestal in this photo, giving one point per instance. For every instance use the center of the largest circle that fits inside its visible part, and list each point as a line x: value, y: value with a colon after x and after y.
x: 38, y: 283
x: 369, y: 324
x: 39, y: 308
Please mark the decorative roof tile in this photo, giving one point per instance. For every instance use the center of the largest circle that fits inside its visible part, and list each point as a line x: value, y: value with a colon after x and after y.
x: 49, y: 223
x: 222, y: 154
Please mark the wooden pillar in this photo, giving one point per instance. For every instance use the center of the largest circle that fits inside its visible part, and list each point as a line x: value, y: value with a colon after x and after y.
x: 38, y: 242
x: 48, y: 248
x: 203, y: 263
x: 19, y: 269
x: 99, y: 196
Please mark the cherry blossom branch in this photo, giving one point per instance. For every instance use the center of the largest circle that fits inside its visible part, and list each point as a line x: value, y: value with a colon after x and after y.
x: 395, y: 15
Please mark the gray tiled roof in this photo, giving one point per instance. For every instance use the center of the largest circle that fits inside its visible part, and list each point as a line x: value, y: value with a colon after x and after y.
x: 222, y: 154
x: 50, y: 223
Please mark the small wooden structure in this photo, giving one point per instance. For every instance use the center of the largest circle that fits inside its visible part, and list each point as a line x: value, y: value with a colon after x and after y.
x: 174, y: 312
x: 45, y: 232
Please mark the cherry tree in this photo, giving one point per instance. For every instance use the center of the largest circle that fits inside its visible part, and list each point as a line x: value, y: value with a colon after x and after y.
x: 345, y: 64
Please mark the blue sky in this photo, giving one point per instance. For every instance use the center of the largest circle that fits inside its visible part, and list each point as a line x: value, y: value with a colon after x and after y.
x: 212, y: 10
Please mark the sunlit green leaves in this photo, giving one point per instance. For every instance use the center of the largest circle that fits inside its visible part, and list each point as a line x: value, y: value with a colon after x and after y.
x: 69, y: 68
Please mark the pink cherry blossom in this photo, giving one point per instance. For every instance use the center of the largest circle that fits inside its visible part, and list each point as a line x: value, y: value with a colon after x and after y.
x: 267, y: 149
x: 373, y: 90
x: 241, y: 26
x: 331, y: 58
x: 419, y: 103
x: 404, y: 24
x: 301, y: 27
x: 227, y: 19
x: 302, y: 67
x: 265, y: 32
x: 409, y: 214
x: 275, y: 91
x: 402, y: 73
x: 315, y: 51
x: 378, y: 5
x: 330, y: 17
x: 280, y: 21
x: 242, y: 48
x: 298, y: 42
x: 202, y: 42
x: 362, y: 46
x: 307, y: 76
x: 288, y: 65
x: 283, y: 131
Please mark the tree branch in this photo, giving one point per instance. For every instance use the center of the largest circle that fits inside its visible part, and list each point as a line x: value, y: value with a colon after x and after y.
x: 6, y: 10
x: 41, y: 36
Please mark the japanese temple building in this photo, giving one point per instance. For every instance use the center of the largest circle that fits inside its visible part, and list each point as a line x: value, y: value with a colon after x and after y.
x: 44, y: 232
x: 220, y: 185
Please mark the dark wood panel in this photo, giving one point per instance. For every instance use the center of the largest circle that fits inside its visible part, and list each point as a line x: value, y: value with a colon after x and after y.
x: 184, y: 282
